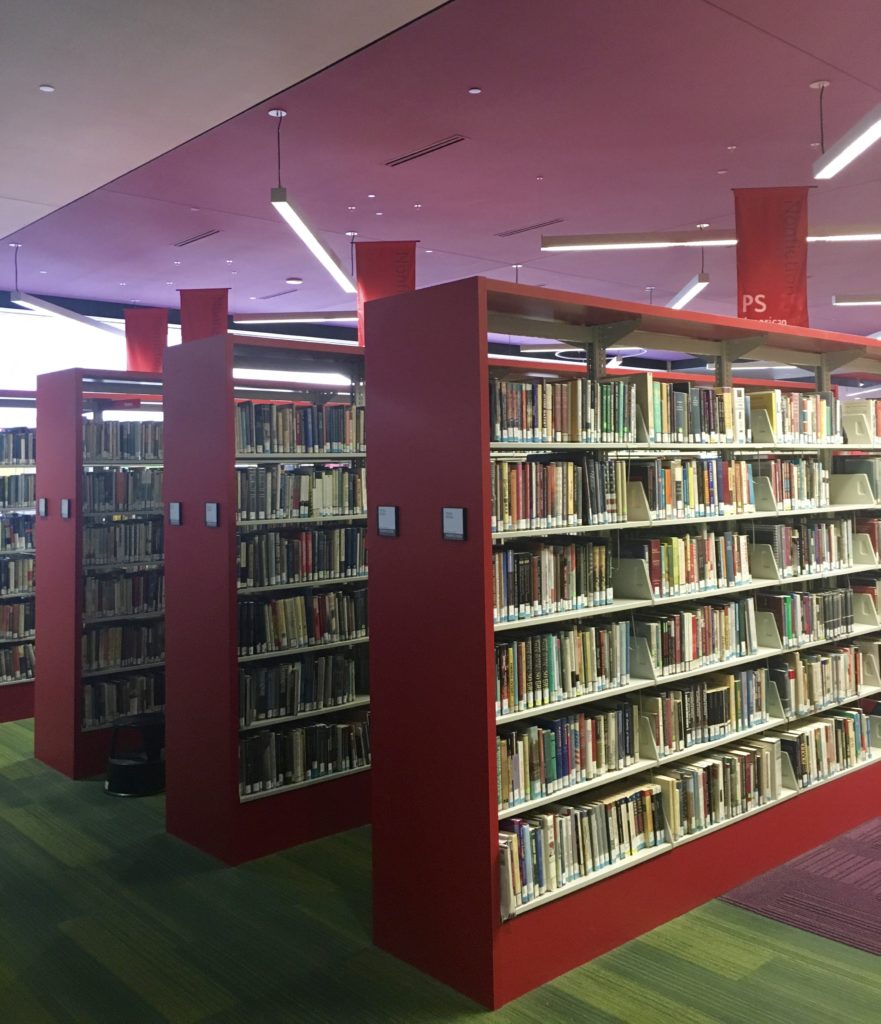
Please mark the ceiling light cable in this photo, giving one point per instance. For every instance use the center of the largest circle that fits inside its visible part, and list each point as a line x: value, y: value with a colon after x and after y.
x: 822, y: 130
x: 278, y: 148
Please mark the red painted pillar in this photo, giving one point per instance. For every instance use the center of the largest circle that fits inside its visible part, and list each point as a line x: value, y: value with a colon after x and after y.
x: 204, y: 312
x: 382, y: 269
x: 146, y: 338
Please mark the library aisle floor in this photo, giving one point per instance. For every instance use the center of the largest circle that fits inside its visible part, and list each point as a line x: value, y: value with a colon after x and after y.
x: 104, y: 918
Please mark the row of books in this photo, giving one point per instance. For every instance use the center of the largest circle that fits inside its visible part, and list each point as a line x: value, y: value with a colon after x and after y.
x: 547, y: 852
x: 801, y: 616
x: 277, y: 492
x: 288, y: 427
x: 270, y: 557
x: 18, y: 490
x: 106, y: 700
x: 123, y: 543
x: 272, y: 758
x: 309, y: 684
x: 827, y: 744
x: 810, y: 681
x: 546, y: 578
x: 124, y: 593
x: 117, y: 441
x: 698, y: 637
x: 691, y: 488
x: 17, y: 575
x: 680, y: 411
x: 544, y: 668
x: 16, y: 533
x: 555, y: 754
x: 576, y: 411
x: 17, y: 662
x: 808, y: 545
x: 16, y: 619
x: 692, y: 563
x: 303, y: 620
x: 128, y: 645
x: 18, y: 446
x: 122, y: 490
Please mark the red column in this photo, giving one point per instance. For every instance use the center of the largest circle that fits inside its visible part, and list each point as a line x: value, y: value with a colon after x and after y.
x: 204, y: 312
x: 146, y: 337
x: 382, y: 269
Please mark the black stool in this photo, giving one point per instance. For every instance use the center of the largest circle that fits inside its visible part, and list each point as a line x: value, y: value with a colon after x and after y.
x: 136, y: 766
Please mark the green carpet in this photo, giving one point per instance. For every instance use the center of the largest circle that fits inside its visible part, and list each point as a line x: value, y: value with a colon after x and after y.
x: 103, y: 918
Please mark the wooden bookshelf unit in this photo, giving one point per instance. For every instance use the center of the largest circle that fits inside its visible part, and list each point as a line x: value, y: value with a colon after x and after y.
x: 435, y: 815
x: 208, y: 802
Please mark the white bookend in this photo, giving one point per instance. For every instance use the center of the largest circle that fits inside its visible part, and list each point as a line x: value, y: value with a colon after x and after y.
x: 641, y: 664
x: 647, y: 747
x: 864, y: 611
x: 864, y: 554
x: 764, y: 495
x: 850, y: 489
x: 767, y: 633
x: 631, y: 580
x: 857, y: 426
x: 789, y: 780
x: 642, y: 431
x: 871, y: 668
x: 763, y: 564
x: 775, y: 704
x: 761, y: 427
x: 638, y: 510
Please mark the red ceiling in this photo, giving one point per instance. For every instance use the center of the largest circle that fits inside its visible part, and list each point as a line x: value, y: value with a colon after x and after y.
x: 624, y: 108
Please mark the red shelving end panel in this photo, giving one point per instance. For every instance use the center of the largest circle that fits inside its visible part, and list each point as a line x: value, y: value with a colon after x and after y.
x: 434, y: 832
x: 16, y: 702
x: 58, y: 595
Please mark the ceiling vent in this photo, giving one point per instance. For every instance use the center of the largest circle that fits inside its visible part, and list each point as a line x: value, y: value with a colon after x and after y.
x: 276, y: 295
x: 529, y: 227
x: 196, y: 238
x: 432, y: 147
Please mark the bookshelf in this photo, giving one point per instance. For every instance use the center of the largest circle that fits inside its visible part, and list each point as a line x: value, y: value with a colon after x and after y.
x: 17, y: 561
x: 100, y: 596
x: 437, y: 892
x: 286, y: 538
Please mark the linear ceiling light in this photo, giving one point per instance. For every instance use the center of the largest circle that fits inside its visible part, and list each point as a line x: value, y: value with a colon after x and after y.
x: 864, y: 133
x: 685, y: 294
x: 331, y: 316
x: 38, y: 305
x: 279, y: 199
x: 863, y: 233
x: 866, y: 299
x: 651, y: 240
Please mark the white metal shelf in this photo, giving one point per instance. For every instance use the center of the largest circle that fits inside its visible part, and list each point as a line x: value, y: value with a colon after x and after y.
x: 329, y: 581
x: 305, y: 649
x: 331, y: 709
x: 4, y: 640
x: 346, y: 517
x: 121, y: 670
x: 95, y: 620
x: 279, y: 790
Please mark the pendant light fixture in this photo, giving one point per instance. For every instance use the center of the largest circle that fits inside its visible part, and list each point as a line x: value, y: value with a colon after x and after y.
x: 694, y: 287
x: 865, y: 133
x: 294, y: 220
x: 865, y: 299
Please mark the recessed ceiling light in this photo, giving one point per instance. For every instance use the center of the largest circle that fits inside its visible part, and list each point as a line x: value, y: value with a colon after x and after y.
x: 379, y: 213
x: 351, y: 234
x: 428, y: 250
x: 815, y: 145
x: 169, y: 282
x: 293, y: 280
x: 371, y: 195
x: 704, y: 225
x: 516, y: 266
x: 233, y: 272
x: 229, y: 261
x: 731, y: 148
x: 47, y: 88
x: 539, y: 177
x: 44, y: 271
x: 722, y: 170
x: 277, y: 112
x: 177, y: 263
x: 122, y: 284
x: 474, y: 91
x: 352, y: 207
x: 253, y: 298
x: 195, y: 209
x: 417, y: 206
x: 15, y: 245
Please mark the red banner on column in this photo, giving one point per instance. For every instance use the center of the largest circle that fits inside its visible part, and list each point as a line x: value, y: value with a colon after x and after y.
x: 382, y: 269
x: 204, y: 312
x: 146, y: 337
x: 772, y: 254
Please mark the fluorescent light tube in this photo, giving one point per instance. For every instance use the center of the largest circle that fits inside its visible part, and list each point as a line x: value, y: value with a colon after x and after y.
x: 844, y: 235
x: 294, y: 376
x: 864, y: 133
x: 694, y: 287
x: 38, y: 305
x: 651, y: 240
x: 866, y: 299
x: 279, y: 199
x: 331, y: 316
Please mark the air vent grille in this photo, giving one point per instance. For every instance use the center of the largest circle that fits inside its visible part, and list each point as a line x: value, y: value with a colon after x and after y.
x: 529, y: 227
x: 197, y: 238
x: 432, y: 147
x: 277, y: 295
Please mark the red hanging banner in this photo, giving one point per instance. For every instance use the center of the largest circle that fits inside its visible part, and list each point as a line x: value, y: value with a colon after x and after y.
x: 382, y: 269
x: 204, y: 312
x: 772, y: 254
x: 146, y: 337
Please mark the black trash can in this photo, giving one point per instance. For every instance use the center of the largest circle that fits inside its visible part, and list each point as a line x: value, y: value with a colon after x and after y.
x: 136, y: 766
